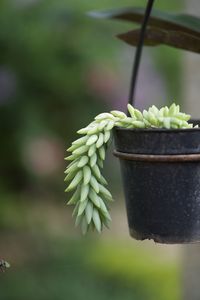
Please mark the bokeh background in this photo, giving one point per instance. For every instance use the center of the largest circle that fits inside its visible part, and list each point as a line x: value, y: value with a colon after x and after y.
x: 58, y: 69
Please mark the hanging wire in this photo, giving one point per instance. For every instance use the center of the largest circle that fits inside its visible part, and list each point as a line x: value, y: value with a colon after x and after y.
x: 139, y: 52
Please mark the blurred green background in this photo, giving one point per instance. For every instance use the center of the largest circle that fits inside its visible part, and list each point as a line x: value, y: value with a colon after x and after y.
x: 58, y: 69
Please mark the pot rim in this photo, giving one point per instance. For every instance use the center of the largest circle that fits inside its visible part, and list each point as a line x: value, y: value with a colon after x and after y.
x: 165, y: 158
x: 158, y: 129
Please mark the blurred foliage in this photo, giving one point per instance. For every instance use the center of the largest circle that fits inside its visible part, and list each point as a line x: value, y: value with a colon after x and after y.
x: 47, y: 51
x: 59, y: 270
x: 40, y: 52
x: 13, y: 213
x: 139, y: 269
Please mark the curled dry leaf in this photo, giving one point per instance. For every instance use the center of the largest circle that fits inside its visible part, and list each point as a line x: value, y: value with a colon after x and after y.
x: 156, y: 37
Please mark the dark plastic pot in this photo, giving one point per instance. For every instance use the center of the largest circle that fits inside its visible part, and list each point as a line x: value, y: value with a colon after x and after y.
x: 161, y: 178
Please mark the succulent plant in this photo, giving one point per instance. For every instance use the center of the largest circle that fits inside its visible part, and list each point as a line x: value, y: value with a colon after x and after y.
x: 91, y: 197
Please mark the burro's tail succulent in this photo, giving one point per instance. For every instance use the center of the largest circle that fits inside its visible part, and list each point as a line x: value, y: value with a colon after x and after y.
x: 90, y: 196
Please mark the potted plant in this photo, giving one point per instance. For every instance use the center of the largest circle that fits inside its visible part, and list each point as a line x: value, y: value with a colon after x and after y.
x: 159, y: 150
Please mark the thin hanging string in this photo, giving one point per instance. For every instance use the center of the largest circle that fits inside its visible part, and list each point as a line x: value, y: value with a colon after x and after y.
x: 139, y: 52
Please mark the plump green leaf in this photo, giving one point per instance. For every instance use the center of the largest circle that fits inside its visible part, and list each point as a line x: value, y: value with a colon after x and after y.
x: 76, y: 196
x: 94, y: 197
x: 84, y: 192
x: 75, y: 181
x: 83, y: 161
x: 100, y: 140
x: 96, y: 220
x: 89, y: 212
x: 82, y: 207
x: 93, y: 160
x: 92, y: 139
x: 94, y: 184
x: 96, y: 171
x: 92, y: 150
x: 86, y: 175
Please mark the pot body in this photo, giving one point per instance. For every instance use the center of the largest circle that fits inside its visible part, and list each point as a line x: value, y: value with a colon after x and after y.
x: 161, y: 178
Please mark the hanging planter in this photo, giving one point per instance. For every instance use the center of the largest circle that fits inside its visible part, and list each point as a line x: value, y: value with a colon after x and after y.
x: 161, y: 177
x: 159, y: 152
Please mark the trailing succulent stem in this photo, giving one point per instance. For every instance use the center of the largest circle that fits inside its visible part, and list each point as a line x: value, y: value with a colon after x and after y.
x: 91, y: 197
